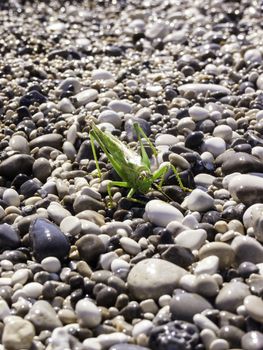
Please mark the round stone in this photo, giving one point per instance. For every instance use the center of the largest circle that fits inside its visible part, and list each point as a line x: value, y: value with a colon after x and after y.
x: 57, y: 213
x: 161, y: 213
x: 51, y: 264
x: 184, y: 306
x: 198, y: 113
x: 252, y: 341
x: 71, y: 225
x: 151, y: 278
x: 42, y: 169
x: 50, y: 140
x: 19, y: 143
x: 231, y: 296
x: 88, y: 313
x: 120, y: 106
x: 11, y: 197
x: 247, y: 249
x: 90, y: 247
x: 48, y: 240
x: 254, y: 307
x: 214, y: 145
x: 85, y: 96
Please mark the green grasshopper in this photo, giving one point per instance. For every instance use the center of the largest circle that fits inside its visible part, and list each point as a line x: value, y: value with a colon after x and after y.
x: 133, y: 169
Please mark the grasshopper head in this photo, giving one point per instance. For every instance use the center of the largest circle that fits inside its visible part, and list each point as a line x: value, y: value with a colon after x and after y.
x: 144, y: 181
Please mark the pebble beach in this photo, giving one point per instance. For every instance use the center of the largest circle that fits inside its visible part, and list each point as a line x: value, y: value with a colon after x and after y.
x: 176, y: 269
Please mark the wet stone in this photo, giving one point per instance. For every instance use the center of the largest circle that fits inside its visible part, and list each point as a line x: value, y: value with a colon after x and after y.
x: 252, y: 341
x: 16, y: 164
x: 242, y: 162
x: 48, y: 240
x: 231, y: 296
x: 43, y: 316
x: 90, y: 247
x: 185, y: 305
x: 9, y: 238
x: 49, y: 140
x: 174, y: 335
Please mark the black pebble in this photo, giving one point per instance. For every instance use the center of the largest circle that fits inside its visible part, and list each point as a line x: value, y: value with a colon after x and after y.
x: 177, y: 335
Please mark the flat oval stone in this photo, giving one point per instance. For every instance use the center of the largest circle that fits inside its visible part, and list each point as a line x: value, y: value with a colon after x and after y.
x: 198, y: 113
x: 120, y: 106
x: 252, y: 341
x: 223, y: 251
x: 48, y: 240
x: 254, y: 307
x: 43, y: 316
x: 161, y: 213
x: 247, y: 249
x: 151, y: 278
x: 49, y: 140
x: 203, y: 88
x: 16, y: 164
x: 86, y: 96
x: 231, y: 296
x: 184, y: 306
x: 101, y: 74
x: 241, y: 162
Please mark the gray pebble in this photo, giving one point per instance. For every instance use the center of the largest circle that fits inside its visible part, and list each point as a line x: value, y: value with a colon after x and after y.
x: 152, y: 278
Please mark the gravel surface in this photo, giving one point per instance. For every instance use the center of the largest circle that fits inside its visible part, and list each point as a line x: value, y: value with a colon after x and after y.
x: 178, y: 269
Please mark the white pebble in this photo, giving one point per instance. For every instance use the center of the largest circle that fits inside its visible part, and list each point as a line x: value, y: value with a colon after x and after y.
x: 71, y: 225
x: 219, y: 344
x: 214, y: 145
x: 142, y: 327
x: 51, y: 264
x: 130, y: 246
x: 208, y: 265
x: 11, y: 197
x: 107, y: 340
x: 199, y: 200
x: 88, y: 313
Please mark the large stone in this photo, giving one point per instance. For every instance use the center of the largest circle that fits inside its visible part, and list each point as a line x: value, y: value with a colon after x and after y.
x: 151, y: 278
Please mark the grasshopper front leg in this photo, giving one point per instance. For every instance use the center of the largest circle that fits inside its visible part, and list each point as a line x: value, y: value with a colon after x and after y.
x: 161, y: 172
